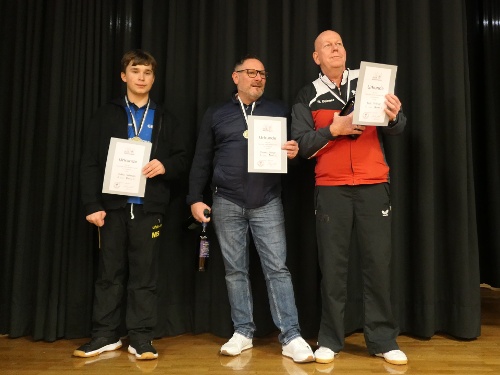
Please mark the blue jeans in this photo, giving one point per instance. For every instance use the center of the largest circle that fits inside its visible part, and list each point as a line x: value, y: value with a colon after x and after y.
x: 267, y: 224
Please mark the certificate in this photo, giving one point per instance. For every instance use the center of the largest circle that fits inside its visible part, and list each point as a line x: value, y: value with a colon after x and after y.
x: 123, y: 173
x: 266, y: 135
x: 374, y: 82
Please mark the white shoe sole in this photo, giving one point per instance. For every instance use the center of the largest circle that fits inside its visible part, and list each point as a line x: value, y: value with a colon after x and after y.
x: 305, y: 360
x: 147, y: 355
x: 232, y: 354
x: 393, y: 361
x: 107, y: 348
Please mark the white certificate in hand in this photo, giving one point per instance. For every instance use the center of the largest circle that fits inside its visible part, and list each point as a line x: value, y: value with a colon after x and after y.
x: 266, y: 135
x: 123, y: 174
x: 374, y: 82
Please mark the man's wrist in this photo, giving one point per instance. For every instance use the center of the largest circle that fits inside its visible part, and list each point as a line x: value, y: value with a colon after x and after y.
x: 393, y: 122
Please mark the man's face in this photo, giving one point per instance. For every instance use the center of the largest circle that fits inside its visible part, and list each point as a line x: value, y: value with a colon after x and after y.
x: 249, y: 89
x: 139, y: 78
x: 329, y: 51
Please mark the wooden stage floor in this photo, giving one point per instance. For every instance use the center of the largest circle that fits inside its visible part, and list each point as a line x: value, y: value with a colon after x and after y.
x: 198, y: 354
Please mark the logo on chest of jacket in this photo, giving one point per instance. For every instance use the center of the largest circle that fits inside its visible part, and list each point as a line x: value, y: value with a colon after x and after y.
x: 322, y: 101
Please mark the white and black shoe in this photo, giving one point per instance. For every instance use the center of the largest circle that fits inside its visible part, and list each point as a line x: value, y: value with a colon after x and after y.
x: 97, y: 346
x: 143, y: 350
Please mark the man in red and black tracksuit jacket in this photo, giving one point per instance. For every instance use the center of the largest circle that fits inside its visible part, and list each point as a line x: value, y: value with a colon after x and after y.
x: 352, y: 193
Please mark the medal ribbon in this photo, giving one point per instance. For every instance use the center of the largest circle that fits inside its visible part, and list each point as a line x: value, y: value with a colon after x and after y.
x: 133, y: 118
x: 245, y: 112
x: 329, y: 83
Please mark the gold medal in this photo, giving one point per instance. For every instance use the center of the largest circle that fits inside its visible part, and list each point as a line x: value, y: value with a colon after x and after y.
x: 245, y: 134
x: 137, y: 139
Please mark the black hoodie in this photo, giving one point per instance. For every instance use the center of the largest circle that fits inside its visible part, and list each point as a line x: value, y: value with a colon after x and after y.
x: 169, y: 146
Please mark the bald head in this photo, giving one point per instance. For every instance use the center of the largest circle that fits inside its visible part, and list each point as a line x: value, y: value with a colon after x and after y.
x: 329, y: 52
x: 328, y: 34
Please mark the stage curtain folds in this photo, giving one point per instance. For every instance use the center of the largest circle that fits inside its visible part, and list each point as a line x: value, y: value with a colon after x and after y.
x: 61, y: 62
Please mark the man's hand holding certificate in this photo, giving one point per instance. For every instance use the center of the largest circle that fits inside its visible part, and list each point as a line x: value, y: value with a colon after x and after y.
x: 123, y: 174
x: 266, y: 136
x: 374, y: 83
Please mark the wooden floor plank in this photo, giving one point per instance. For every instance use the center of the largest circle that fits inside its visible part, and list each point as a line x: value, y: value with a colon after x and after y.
x: 198, y: 354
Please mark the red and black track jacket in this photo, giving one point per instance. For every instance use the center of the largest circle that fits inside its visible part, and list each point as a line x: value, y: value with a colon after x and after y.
x: 340, y: 160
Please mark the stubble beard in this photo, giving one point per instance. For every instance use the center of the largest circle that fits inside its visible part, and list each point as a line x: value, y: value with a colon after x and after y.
x: 257, y: 93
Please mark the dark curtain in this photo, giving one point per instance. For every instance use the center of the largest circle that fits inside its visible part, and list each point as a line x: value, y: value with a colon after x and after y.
x: 60, y: 62
x: 484, y: 49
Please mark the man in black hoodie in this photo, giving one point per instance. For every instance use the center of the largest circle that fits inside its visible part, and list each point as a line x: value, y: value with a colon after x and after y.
x: 129, y: 226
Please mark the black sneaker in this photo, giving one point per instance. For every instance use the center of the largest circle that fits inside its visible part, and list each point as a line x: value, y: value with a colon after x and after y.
x: 143, y: 350
x: 97, y: 346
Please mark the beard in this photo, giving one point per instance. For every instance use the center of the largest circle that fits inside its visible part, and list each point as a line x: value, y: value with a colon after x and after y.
x: 256, y: 92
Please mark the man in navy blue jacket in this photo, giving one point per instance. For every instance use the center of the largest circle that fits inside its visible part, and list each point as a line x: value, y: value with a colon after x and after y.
x: 243, y: 201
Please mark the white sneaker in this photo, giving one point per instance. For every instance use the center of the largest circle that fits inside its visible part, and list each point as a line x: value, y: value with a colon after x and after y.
x: 324, y: 355
x: 299, y: 350
x: 395, y: 357
x: 236, y: 345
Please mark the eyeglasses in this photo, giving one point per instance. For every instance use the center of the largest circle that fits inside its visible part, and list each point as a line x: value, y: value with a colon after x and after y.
x: 252, y: 73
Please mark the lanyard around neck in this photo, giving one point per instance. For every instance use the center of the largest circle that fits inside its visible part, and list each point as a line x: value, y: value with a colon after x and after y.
x: 136, y: 132
x: 245, y: 112
x: 329, y: 83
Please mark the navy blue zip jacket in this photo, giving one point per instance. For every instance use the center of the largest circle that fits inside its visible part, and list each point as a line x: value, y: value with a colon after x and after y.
x: 168, y: 146
x: 222, y: 149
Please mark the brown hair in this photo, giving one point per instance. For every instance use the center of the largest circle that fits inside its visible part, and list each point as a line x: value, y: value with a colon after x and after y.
x: 138, y: 57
